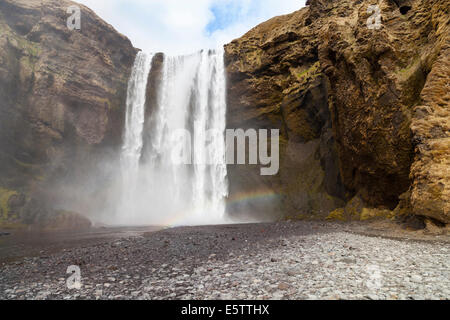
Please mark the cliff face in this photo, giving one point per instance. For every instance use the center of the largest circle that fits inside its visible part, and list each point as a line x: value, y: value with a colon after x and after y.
x: 275, y: 81
x: 363, y: 112
x: 62, y: 94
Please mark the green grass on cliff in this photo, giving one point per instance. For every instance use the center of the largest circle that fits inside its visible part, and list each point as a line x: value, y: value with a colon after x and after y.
x: 31, y: 50
x: 311, y: 72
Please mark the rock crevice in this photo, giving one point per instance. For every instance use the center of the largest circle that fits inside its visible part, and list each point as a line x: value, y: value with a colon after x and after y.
x: 376, y: 98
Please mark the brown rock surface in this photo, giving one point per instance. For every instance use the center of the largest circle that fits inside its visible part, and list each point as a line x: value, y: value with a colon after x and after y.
x: 363, y: 113
x: 375, y: 100
x: 275, y: 81
x: 62, y: 92
x: 430, y: 171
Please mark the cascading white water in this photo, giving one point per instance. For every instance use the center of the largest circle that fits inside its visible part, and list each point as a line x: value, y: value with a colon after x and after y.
x: 132, y: 143
x: 191, y: 96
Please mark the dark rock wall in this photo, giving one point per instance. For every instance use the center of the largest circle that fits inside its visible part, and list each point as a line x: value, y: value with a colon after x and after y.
x: 62, y: 96
x: 372, y: 99
x: 275, y: 81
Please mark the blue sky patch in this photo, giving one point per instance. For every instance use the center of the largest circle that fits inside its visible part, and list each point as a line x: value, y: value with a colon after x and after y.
x: 231, y: 12
x: 224, y: 16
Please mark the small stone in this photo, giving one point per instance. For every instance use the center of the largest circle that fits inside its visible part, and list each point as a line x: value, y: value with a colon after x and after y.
x: 349, y: 260
x: 278, y: 295
x: 283, y: 286
x: 291, y: 273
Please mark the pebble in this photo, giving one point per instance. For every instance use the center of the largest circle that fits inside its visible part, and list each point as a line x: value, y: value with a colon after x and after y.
x: 329, y: 265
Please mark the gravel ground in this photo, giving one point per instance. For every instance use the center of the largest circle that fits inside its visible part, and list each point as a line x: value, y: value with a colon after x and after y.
x: 289, y: 260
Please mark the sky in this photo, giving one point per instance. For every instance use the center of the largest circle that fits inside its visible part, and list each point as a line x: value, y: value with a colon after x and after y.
x: 186, y: 26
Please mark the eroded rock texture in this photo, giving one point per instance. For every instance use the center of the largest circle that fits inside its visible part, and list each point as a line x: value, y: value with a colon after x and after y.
x: 62, y: 97
x: 363, y: 111
x: 276, y: 81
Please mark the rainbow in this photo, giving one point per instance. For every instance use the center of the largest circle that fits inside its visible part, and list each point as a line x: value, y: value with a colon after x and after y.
x: 240, y: 198
x: 256, y: 195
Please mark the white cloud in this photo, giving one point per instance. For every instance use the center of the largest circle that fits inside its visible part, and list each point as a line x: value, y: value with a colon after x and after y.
x: 180, y: 26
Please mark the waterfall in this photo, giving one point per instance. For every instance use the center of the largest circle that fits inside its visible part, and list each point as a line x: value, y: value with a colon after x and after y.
x: 191, y: 98
x: 133, y: 142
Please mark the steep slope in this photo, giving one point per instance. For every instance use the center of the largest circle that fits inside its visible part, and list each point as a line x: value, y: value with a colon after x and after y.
x: 62, y: 94
x: 275, y: 81
x: 363, y: 111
